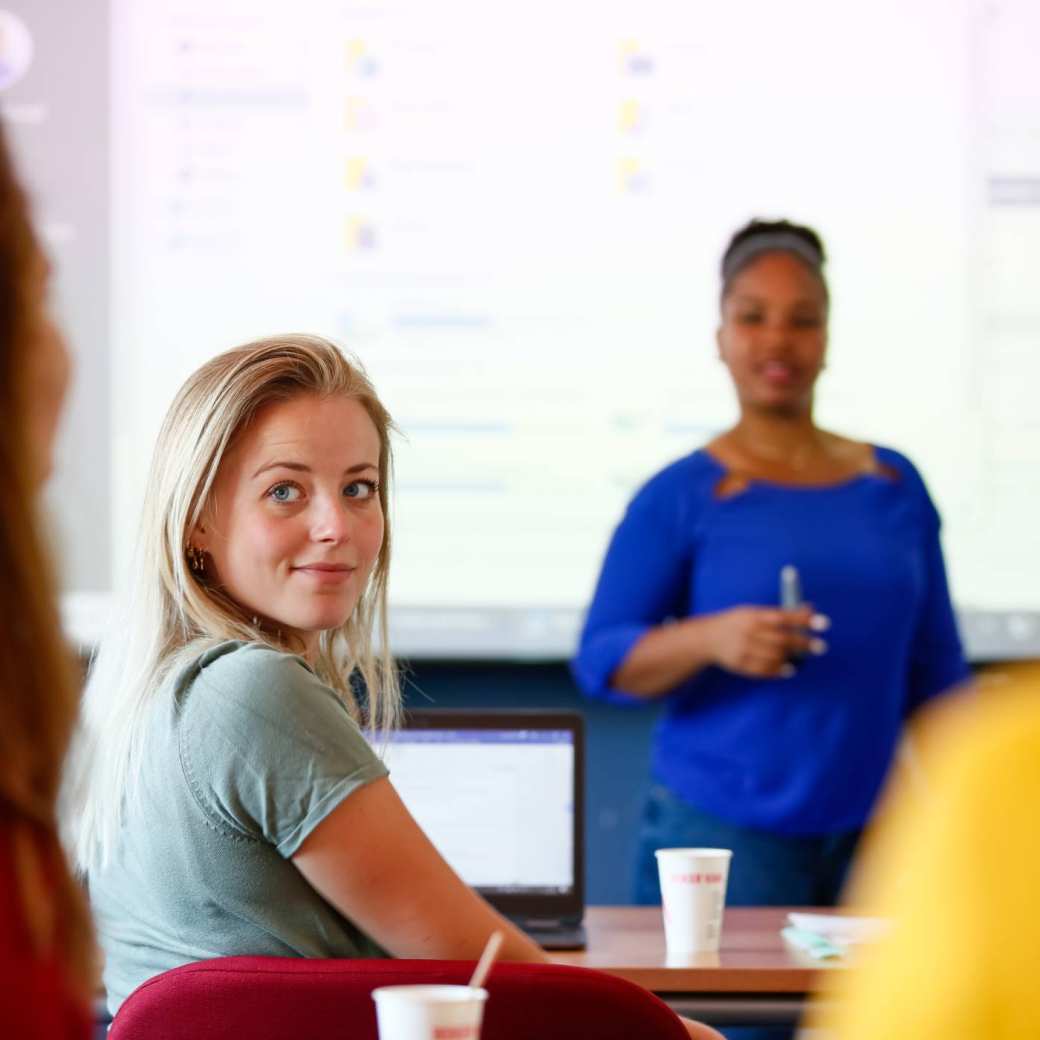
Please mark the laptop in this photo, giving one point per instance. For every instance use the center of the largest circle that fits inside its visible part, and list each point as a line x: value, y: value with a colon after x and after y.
x: 501, y: 795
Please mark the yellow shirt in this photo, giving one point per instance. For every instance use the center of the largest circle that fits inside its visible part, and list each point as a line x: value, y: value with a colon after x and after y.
x: 958, y: 871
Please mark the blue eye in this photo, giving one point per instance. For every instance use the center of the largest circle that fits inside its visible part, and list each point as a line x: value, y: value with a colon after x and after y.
x: 361, y: 489
x: 284, y: 493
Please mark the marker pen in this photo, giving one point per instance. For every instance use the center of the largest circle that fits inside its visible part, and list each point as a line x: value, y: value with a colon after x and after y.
x: 790, y: 587
x: 791, y: 599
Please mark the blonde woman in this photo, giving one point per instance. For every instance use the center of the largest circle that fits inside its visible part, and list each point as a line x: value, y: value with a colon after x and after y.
x: 225, y: 800
x: 46, y: 947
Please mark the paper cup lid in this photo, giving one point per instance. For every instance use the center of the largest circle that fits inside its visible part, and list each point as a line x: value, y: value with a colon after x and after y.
x: 712, y: 853
x: 431, y: 993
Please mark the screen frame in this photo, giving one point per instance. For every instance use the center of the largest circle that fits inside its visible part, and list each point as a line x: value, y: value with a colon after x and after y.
x: 550, y: 905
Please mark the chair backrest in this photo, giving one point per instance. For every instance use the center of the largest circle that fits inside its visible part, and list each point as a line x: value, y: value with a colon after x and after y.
x: 274, y: 998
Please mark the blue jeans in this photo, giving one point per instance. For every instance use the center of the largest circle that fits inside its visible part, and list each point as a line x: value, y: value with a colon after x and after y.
x: 766, y: 869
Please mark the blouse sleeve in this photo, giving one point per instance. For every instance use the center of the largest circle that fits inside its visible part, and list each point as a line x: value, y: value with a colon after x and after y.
x: 269, y: 750
x: 936, y: 657
x: 642, y: 584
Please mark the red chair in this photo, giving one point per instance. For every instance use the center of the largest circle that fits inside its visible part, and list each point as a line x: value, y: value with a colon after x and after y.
x: 277, y: 998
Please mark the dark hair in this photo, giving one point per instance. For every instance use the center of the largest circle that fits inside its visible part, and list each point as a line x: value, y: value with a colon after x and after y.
x: 767, y: 236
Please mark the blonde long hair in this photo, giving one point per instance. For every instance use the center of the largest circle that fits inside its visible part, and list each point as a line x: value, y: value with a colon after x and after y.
x: 38, y: 693
x: 170, y: 615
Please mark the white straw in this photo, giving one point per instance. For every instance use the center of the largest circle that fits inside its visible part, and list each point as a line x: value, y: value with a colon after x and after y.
x: 487, y: 958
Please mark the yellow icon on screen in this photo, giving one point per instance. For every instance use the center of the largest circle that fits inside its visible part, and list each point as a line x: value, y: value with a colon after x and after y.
x: 360, y: 235
x: 358, y: 174
x: 358, y: 114
x: 630, y: 117
x: 360, y: 61
x: 629, y: 48
x: 355, y: 52
x: 635, y: 59
x: 632, y: 177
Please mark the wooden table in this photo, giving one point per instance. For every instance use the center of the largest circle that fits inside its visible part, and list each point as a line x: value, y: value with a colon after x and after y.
x: 755, y: 977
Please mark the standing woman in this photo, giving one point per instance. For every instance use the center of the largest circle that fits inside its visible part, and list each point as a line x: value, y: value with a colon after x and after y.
x: 46, y: 947
x: 780, y: 722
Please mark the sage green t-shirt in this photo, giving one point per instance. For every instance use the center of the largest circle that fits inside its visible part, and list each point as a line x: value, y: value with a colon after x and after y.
x: 247, y: 751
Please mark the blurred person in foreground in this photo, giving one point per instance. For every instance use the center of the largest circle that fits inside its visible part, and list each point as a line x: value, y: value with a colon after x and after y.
x: 46, y: 945
x: 955, y: 867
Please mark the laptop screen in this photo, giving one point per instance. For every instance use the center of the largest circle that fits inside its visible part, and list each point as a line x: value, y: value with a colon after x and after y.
x: 496, y: 795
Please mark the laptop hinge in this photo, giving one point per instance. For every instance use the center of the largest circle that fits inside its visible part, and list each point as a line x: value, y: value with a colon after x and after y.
x: 544, y: 922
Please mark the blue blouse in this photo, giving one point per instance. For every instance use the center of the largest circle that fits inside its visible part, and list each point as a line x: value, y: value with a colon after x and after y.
x: 804, y: 755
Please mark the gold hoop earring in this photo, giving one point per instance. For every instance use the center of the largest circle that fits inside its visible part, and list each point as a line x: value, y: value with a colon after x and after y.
x: 196, y: 559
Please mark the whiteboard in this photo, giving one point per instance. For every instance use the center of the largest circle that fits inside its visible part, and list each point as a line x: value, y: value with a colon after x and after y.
x: 513, y: 213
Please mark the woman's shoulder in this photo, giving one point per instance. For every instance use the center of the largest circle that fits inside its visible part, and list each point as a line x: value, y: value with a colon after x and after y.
x: 674, y: 498
x: 869, y: 456
x: 234, y: 659
x: 251, y: 696
x: 260, y: 741
x: 902, y: 471
x: 896, y: 461
x: 907, y: 486
x: 856, y: 454
x: 232, y: 676
x: 690, y: 476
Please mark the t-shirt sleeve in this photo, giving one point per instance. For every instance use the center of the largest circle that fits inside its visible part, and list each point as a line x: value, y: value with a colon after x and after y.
x: 937, y: 660
x: 269, y: 750
x: 641, y: 585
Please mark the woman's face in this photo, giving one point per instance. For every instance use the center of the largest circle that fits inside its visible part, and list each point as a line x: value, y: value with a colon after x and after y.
x: 45, y: 376
x: 773, y: 334
x: 294, y: 524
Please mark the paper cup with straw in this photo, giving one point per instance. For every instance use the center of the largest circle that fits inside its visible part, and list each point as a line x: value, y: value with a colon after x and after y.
x: 436, y: 1012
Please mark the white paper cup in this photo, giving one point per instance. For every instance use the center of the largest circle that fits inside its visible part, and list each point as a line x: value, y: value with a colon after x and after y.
x: 429, y: 1012
x: 693, y: 893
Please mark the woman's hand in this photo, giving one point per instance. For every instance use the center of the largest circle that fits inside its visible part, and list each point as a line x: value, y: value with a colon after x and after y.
x: 759, y: 642
x: 754, y: 641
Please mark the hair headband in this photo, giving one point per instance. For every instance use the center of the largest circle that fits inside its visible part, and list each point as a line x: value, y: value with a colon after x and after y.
x: 769, y: 242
